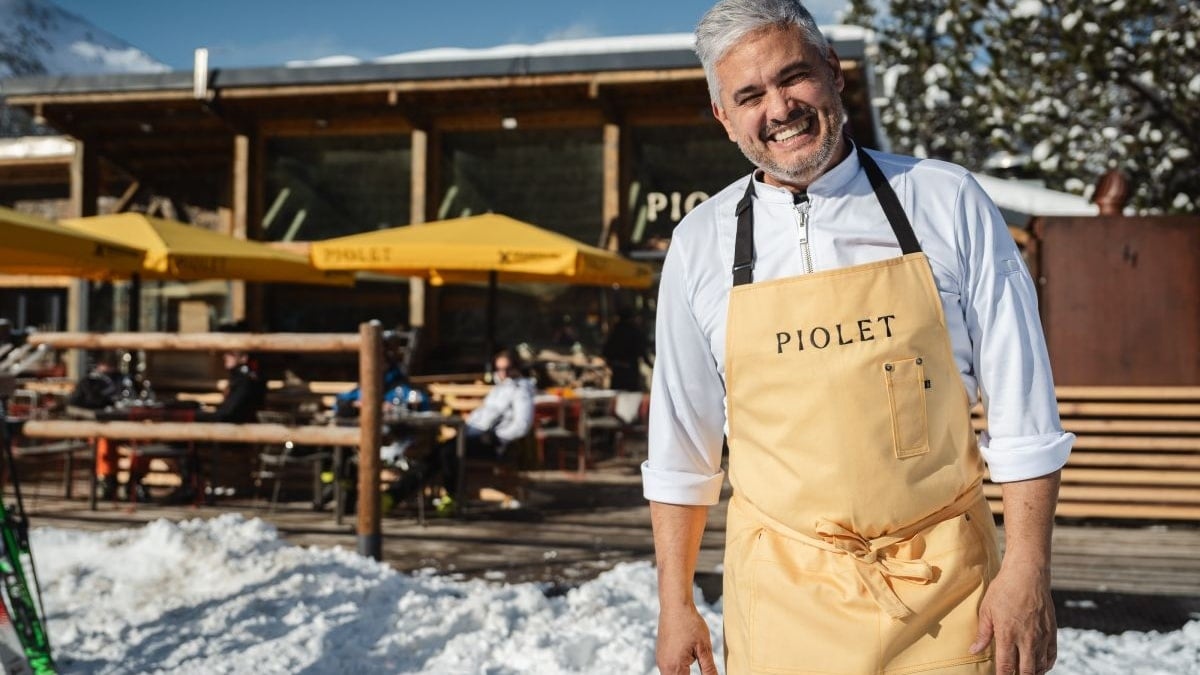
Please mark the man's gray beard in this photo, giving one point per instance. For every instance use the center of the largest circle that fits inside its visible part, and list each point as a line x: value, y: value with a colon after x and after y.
x: 809, y: 168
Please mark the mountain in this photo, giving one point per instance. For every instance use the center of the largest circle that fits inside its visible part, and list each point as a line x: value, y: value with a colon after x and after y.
x: 39, y: 38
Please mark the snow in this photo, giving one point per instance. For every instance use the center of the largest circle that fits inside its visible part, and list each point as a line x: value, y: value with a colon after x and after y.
x: 36, y: 147
x: 228, y: 596
x: 1034, y: 200
x: 594, y: 45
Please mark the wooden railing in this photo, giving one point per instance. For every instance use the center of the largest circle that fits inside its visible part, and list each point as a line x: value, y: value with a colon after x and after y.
x: 367, y: 343
x: 1137, y: 453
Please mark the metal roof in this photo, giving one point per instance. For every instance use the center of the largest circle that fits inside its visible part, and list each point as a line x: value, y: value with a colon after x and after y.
x: 672, y: 51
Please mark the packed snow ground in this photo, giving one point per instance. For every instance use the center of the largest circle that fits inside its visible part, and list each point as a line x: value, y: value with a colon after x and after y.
x: 228, y: 596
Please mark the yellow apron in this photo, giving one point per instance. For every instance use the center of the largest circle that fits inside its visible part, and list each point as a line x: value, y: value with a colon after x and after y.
x: 858, y: 538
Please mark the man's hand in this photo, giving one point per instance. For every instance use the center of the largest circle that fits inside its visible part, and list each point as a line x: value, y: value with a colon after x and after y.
x: 683, y: 639
x: 1018, y: 614
x: 682, y: 635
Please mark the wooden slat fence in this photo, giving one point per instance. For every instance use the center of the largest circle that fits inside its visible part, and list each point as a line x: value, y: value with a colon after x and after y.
x: 1137, y: 455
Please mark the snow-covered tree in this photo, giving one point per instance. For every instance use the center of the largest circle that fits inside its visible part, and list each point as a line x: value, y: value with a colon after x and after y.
x: 1065, y: 89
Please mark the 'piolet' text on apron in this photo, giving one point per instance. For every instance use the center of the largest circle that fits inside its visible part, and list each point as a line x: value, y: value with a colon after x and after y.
x: 840, y: 335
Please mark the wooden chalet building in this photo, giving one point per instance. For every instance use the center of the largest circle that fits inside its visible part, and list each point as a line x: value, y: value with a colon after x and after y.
x: 610, y: 141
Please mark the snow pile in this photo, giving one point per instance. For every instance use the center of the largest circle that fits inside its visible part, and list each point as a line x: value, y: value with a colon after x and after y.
x: 227, y: 596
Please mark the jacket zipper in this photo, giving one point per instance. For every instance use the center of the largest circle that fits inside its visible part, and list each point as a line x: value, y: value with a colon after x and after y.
x: 802, y: 228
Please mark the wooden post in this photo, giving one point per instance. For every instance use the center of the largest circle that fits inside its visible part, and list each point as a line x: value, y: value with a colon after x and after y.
x: 85, y: 193
x: 610, y: 217
x: 241, y: 216
x: 418, y: 209
x: 370, y: 376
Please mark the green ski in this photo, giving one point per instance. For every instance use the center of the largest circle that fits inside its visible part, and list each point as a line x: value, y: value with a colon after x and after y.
x: 16, y: 564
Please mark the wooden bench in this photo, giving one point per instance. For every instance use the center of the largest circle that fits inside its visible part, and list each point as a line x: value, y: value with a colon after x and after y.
x: 67, y: 450
x: 1137, y: 453
x: 459, y: 397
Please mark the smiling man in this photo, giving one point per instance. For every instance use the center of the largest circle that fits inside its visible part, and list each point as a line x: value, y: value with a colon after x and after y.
x: 834, y: 316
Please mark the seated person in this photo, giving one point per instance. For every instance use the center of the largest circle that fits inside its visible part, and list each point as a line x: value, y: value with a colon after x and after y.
x: 97, y: 390
x: 505, y: 415
x: 245, y: 392
x: 346, y: 404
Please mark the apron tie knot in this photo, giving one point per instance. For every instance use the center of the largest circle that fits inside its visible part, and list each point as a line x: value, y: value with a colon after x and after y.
x: 874, y: 567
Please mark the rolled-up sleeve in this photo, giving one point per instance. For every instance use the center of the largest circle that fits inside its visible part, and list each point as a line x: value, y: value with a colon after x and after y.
x: 1024, y: 437
x: 687, y: 400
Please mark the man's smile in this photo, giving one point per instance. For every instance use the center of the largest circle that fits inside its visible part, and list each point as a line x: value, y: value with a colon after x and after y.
x: 782, y: 133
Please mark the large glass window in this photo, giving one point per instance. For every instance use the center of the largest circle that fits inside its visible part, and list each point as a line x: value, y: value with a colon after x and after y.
x: 551, y: 178
x: 327, y: 186
x: 674, y: 169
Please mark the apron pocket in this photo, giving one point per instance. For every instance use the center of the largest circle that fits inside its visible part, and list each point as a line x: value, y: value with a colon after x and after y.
x: 906, y: 393
x: 806, y: 621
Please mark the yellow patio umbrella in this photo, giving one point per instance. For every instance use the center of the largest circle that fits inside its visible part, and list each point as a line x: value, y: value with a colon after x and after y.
x: 489, y: 247
x: 183, y: 252
x: 33, y: 245
x: 178, y: 251
x: 475, y: 248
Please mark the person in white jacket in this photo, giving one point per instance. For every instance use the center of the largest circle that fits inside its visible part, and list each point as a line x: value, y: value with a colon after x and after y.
x: 504, y: 416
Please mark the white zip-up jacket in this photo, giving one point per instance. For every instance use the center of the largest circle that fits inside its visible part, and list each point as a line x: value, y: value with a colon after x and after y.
x: 507, y: 409
x: 986, y: 292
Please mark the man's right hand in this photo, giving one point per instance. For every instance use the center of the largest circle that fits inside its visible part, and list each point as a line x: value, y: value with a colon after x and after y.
x: 683, y: 639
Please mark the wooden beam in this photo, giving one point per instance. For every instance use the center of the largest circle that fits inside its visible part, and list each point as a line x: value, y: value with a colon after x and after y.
x: 610, y: 212
x: 1129, y: 393
x: 32, y: 100
x: 1143, y: 443
x: 25, y: 281
x: 258, y: 342
x: 194, y: 432
x: 316, y: 123
x: 30, y: 162
x: 565, y: 118
x: 1161, y: 409
x: 127, y: 197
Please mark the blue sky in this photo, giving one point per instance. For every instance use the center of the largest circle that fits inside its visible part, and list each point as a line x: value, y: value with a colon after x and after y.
x: 270, y: 32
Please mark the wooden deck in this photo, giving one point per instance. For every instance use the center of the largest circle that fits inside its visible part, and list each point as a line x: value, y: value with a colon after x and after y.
x: 571, y: 529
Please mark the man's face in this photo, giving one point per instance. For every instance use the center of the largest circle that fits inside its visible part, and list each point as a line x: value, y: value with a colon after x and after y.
x: 500, y: 368
x: 780, y: 102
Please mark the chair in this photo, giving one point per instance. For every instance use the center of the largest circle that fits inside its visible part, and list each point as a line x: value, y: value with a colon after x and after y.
x: 549, y: 426
x: 142, y: 453
x: 275, y: 461
x: 502, y: 475
x: 633, y: 409
x: 597, y: 414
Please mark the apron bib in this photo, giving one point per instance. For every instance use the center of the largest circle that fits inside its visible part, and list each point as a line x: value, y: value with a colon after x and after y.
x: 858, y: 539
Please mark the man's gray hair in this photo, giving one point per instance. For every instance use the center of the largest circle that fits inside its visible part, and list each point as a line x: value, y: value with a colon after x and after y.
x: 728, y: 21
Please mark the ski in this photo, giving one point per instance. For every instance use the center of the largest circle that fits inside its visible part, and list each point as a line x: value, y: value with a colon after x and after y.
x: 16, y: 566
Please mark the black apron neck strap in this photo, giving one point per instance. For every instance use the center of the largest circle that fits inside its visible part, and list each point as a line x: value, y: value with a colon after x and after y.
x: 890, y: 203
x: 743, y: 247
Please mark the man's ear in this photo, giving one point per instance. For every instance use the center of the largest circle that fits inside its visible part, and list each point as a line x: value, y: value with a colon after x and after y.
x: 835, y: 64
x: 719, y: 113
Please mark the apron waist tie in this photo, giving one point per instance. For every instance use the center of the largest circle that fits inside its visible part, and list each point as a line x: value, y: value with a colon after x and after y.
x: 873, y: 566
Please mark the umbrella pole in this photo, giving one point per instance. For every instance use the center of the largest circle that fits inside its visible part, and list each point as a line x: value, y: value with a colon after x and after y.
x: 490, y: 343
x: 135, y: 317
x: 135, y: 303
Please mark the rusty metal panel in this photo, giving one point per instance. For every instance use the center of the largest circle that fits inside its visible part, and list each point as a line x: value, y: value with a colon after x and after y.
x: 1120, y: 299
